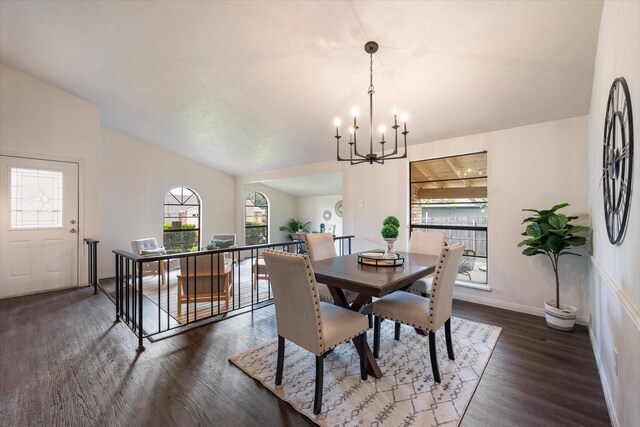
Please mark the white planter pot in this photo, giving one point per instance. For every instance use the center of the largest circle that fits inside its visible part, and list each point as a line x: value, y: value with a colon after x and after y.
x: 561, y: 318
x: 389, y: 252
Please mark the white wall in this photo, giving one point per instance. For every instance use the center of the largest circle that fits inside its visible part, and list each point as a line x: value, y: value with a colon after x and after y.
x: 534, y: 166
x: 312, y: 208
x: 134, y: 178
x: 42, y: 121
x: 282, y: 207
x: 614, y: 284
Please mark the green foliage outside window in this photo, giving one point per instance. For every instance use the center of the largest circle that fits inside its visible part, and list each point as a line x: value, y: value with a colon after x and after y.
x: 182, y: 240
x: 255, y: 235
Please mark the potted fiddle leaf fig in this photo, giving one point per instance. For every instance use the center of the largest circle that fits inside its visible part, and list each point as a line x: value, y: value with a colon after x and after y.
x: 389, y: 232
x: 552, y: 234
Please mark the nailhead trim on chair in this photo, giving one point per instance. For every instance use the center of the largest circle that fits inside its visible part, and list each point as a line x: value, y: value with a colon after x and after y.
x: 424, y: 328
x: 436, y: 281
x: 347, y: 339
x: 316, y: 300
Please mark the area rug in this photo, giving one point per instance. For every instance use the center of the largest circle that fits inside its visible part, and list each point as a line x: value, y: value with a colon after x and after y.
x: 406, y: 394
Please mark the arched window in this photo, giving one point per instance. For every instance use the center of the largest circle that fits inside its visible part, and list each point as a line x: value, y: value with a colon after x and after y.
x: 181, y: 220
x: 256, y: 219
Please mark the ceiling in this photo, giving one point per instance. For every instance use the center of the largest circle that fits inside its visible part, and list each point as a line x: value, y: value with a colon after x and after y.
x: 455, y: 177
x: 322, y: 184
x: 247, y: 87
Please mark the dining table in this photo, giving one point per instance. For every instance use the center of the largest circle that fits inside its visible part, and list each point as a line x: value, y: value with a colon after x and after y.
x: 367, y: 281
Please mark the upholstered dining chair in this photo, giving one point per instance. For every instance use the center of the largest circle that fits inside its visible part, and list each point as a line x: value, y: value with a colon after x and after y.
x: 427, y: 243
x: 303, y: 319
x: 321, y: 246
x: 204, y: 278
x: 426, y: 314
x: 150, y: 247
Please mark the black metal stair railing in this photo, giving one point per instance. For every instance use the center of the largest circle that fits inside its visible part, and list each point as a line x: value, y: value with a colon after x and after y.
x: 92, y: 268
x: 153, y: 308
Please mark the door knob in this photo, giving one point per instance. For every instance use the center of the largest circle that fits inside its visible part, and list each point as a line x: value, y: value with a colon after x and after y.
x: 73, y: 230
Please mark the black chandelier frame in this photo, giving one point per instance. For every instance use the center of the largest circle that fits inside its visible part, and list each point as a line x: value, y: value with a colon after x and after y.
x: 355, y: 157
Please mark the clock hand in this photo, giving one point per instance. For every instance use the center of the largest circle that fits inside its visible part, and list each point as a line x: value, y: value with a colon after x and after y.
x: 624, y: 153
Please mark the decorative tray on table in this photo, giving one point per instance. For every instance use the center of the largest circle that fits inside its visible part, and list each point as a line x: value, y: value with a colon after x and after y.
x: 376, y: 258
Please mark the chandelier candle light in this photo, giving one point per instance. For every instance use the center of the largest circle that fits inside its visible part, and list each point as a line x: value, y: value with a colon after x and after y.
x: 355, y: 157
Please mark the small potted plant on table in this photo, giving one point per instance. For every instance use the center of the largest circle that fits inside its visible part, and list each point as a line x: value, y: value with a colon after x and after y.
x: 551, y: 234
x: 389, y: 232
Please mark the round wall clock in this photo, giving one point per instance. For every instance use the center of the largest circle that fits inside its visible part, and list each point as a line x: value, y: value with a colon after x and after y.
x: 339, y: 208
x: 617, y: 160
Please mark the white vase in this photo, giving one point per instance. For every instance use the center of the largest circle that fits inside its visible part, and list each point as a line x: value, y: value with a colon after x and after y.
x: 561, y: 319
x: 389, y: 252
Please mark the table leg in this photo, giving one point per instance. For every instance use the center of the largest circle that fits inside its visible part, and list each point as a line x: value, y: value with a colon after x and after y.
x: 360, y: 301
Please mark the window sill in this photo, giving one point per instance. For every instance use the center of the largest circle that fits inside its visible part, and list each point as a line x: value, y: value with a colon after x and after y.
x: 471, y: 285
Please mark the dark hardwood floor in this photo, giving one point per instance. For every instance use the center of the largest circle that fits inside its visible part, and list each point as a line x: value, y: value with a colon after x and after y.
x: 64, y: 362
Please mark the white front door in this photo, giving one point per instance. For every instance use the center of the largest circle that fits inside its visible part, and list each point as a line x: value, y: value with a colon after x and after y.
x: 39, y: 225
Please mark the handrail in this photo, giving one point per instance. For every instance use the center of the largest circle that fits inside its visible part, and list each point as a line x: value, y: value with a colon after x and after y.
x: 449, y: 227
x: 151, y: 258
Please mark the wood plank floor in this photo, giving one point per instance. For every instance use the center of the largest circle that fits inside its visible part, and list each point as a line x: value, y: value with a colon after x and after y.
x: 64, y: 362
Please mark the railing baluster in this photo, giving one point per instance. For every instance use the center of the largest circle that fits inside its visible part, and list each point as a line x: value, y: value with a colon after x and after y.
x: 118, y: 278
x: 140, y: 313
x: 92, y: 254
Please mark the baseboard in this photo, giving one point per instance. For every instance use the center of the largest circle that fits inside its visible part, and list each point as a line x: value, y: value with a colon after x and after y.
x: 603, y: 380
x: 520, y: 308
x: 26, y: 294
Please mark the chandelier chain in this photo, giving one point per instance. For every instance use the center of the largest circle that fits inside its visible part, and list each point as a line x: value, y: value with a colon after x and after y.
x: 371, y: 88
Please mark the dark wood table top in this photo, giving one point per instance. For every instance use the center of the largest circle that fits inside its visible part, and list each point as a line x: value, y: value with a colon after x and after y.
x: 346, y: 273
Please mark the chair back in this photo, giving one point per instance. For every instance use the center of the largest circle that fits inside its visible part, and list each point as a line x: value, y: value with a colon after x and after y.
x: 295, y: 294
x: 225, y: 237
x: 428, y: 243
x: 143, y: 245
x: 201, y: 271
x: 468, y: 262
x: 441, y: 294
x: 320, y: 246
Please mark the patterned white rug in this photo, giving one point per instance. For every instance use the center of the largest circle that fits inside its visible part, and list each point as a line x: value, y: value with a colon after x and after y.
x: 405, y: 395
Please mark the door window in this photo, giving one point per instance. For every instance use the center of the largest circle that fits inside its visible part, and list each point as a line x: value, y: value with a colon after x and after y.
x: 36, y: 198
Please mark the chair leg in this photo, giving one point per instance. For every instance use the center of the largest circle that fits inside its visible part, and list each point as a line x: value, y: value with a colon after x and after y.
x: 255, y: 276
x: 364, y: 365
x: 397, y: 331
x: 280, y: 363
x: 376, y: 336
x: 447, y: 335
x: 370, y: 316
x: 317, y: 401
x: 434, y: 357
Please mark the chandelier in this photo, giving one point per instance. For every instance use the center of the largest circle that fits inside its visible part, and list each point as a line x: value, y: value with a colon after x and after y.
x: 355, y: 157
